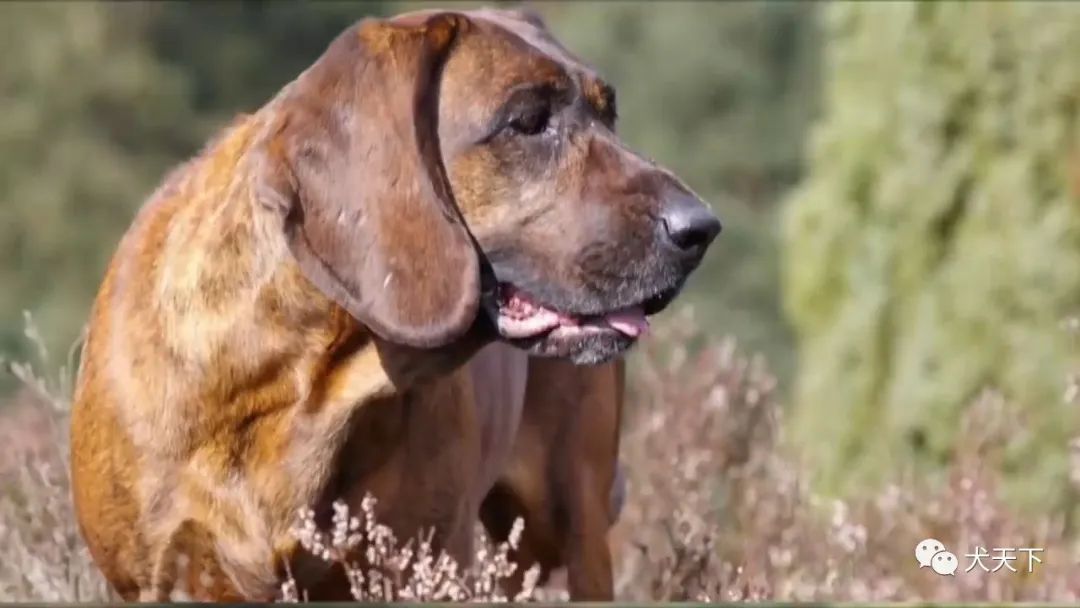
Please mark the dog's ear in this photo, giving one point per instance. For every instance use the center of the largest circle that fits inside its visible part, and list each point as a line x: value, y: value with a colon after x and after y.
x: 356, y: 168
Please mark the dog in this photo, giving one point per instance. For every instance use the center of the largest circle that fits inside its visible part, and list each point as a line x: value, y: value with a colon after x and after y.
x: 351, y: 290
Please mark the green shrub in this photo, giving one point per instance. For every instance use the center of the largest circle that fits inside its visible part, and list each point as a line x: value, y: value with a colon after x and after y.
x: 934, y: 247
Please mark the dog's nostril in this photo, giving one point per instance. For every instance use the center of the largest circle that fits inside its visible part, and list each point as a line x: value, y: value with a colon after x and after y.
x: 689, y: 224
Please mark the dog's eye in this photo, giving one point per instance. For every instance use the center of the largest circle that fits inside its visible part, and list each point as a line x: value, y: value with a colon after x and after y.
x: 532, y: 121
x: 530, y: 111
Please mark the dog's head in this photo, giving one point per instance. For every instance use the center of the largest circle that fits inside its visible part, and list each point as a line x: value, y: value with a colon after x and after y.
x: 446, y: 171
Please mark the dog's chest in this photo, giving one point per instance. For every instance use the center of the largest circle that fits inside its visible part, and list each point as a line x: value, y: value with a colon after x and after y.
x: 498, y: 373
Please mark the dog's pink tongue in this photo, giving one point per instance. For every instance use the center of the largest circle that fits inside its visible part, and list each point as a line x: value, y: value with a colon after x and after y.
x: 630, y: 321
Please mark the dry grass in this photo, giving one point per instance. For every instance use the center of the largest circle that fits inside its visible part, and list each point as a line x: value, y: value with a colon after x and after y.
x: 717, y: 508
x: 390, y: 571
x: 42, y: 555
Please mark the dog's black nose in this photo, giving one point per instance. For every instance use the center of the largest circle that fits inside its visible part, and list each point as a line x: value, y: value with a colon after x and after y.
x: 689, y: 223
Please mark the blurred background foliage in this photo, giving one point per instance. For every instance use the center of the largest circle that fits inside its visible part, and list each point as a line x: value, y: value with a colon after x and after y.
x: 934, y: 248
x: 921, y: 245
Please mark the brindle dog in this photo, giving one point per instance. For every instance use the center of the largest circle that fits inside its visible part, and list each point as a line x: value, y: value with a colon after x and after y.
x: 338, y: 295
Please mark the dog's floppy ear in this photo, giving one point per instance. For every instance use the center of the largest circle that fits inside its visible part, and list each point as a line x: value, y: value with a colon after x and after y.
x: 356, y: 167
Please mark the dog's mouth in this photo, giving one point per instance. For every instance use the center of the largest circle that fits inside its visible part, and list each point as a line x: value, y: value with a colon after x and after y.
x: 542, y: 329
x: 521, y: 316
x: 546, y: 319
